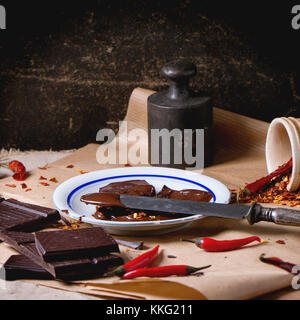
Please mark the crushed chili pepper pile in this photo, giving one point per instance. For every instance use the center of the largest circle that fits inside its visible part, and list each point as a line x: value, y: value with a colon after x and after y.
x: 274, y: 190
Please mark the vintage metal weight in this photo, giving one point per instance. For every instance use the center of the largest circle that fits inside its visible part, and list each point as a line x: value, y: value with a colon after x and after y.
x: 181, y: 109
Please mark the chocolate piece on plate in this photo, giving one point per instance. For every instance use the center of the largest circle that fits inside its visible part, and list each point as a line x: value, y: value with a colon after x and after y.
x: 132, y: 187
x: 187, y: 194
x: 19, y: 216
x: 77, y: 243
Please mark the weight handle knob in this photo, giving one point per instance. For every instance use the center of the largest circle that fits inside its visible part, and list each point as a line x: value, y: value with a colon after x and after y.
x: 179, y: 73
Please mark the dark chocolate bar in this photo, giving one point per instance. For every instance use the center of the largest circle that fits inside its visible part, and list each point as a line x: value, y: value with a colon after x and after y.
x: 79, y: 268
x: 19, y: 216
x: 78, y: 254
x: 20, y: 267
x: 77, y: 243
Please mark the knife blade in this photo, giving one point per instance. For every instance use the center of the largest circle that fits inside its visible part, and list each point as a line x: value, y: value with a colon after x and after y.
x: 253, y: 213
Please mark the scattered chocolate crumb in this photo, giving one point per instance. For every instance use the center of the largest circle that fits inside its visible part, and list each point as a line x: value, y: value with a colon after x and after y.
x: 70, y: 166
x: 171, y: 256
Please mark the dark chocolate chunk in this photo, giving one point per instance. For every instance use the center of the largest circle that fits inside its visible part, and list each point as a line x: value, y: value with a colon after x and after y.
x: 19, y: 216
x: 132, y: 187
x: 20, y: 267
x: 187, y: 194
x: 87, y: 268
x: 102, y: 199
x: 71, y: 244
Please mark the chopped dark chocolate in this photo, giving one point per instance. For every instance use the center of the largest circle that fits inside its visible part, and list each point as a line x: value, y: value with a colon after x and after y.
x: 108, y: 206
x: 76, y: 243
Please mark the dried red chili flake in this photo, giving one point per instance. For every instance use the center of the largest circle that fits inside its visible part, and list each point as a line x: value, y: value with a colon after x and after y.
x: 127, y: 165
x: 24, y: 186
x: 42, y: 178
x: 280, y: 241
x: 45, y: 167
x: 65, y: 211
x: 70, y: 166
x: 274, y: 192
x: 27, y: 190
x: 11, y: 185
x: 52, y: 179
x: 82, y: 171
x: 44, y: 184
x: 260, y: 183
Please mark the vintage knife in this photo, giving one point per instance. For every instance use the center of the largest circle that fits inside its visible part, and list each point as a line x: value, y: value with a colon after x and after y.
x: 253, y: 213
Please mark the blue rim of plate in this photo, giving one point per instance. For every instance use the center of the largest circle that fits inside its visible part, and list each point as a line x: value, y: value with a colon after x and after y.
x: 117, y: 223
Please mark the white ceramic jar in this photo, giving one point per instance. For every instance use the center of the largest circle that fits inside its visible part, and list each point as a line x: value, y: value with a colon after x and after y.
x: 283, y: 142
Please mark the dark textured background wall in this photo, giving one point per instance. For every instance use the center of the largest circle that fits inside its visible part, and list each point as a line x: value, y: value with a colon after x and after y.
x: 68, y: 69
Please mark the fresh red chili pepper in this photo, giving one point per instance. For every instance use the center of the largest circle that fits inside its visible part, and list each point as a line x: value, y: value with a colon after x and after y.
x: 209, y: 244
x: 164, y: 271
x: 142, y: 261
x: 278, y: 263
x: 260, y: 183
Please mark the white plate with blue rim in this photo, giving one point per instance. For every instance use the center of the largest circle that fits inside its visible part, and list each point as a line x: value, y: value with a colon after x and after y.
x: 67, y: 196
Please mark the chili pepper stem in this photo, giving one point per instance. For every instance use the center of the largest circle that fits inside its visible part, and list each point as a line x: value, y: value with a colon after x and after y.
x: 190, y: 269
x: 188, y: 240
x: 197, y: 242
x: 120, y: 271
x: 261, y: 257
